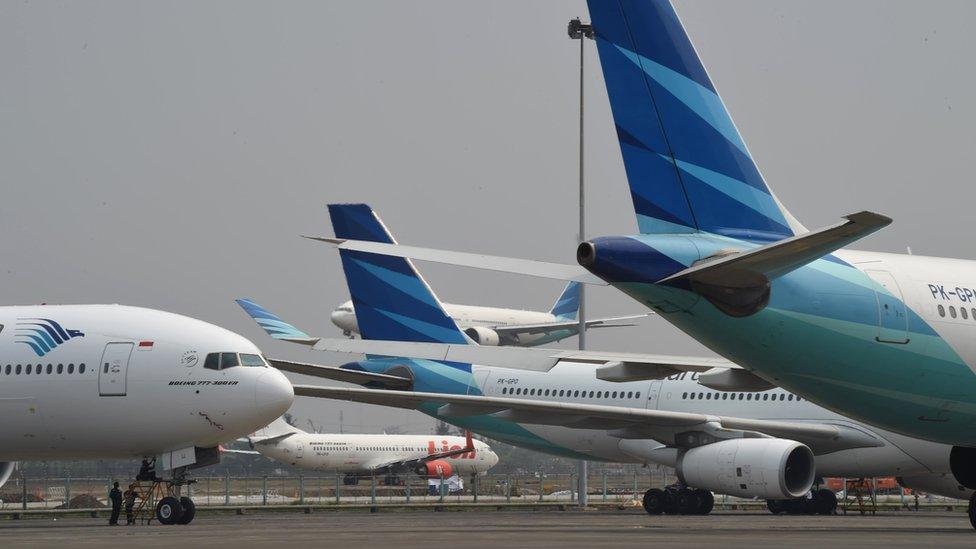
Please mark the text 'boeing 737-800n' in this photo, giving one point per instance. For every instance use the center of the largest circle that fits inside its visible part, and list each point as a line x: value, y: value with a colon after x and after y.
x: 156, y: 385
x: 721, y: 433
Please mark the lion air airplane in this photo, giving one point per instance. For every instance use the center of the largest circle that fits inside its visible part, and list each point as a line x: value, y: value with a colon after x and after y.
x: 429, y: 456
x: 883, y: 338
x: 755, y: 441
x: 117, y: 382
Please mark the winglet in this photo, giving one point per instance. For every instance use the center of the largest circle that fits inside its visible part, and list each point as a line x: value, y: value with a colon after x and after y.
x: 273, y: 325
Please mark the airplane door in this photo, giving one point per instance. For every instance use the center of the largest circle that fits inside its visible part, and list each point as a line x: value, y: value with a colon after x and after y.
x: 892, y: 313
x: 300, y: 450
x: 654, y: 394
x: 479, y: 378
x: 111, y: 373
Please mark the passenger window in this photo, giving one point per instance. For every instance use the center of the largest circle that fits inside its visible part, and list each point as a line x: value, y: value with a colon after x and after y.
x: 50, y: 368
x: 765, y: 397
x: 81, y: 368
x: 637, y: 394
x: 614, y: 394
x: 252, y: 360
x: 781, y: 397
x: 684, y: 396
x: 952, y: 311
x: 599, y: 394
x: 790, y: 398
x: 749, y: 396
x: 591, y: 394
x: 963, y: 313
x: 974, y: 313
x: 708, y: 396
x: 18, y: 369
x: 576, y: 394
x: 60, y: 368
x: 212, y: 361
x: 546, y: 393
x: 630, y: 394
x: 8, y: 370
x: 71, y: 368
x: 941, y: 310
x: 228, y: 360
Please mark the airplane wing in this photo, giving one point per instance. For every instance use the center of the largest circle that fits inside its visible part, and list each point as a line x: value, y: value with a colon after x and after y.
x: 572, y: 325
x: 542, y: 269
x: 412, y: 463
x: 671, y: 428
x: 343, y: 374
x: 616, y: 366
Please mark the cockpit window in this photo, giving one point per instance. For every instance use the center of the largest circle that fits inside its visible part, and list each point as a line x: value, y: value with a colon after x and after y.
x: 212, y: 362
x: 252, y: 360
x: 228, y: 360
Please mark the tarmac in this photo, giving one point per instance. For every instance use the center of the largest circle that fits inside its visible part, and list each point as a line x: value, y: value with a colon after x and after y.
x: 509, y: 529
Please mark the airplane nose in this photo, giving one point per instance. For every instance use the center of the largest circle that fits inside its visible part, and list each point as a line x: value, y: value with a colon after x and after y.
x: 273, y: 394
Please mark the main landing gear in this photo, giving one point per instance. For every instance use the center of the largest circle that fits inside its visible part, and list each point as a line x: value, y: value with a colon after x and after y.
x: 972, y: 510
x: 678, y: 500
x: 821, y: 502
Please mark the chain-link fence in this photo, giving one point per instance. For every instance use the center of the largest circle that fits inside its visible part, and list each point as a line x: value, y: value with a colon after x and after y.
x: 623, y: 489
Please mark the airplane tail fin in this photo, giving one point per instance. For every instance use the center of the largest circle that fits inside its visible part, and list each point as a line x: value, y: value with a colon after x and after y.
x: 568, y: 302
x: 391, y: 299
x: 687, y: 165
x: 273, y: 324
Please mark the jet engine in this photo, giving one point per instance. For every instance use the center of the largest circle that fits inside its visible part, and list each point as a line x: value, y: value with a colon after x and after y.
x: 770, y: 468
x: 437, y: 468
x: 483, y: 336
x: 6, y: 469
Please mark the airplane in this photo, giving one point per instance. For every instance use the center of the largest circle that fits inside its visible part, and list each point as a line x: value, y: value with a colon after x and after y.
x: 118, y: 382
x: 428, y: 456
x: 879, y: 337
x: 717, y: 435
x: 500, y: 326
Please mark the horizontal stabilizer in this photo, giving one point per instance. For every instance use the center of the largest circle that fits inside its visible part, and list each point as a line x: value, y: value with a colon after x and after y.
x: 542, y: 269
x: 343, y: 374
x: 653, y: 366
x: 780, y: 257
x: 572, y: 325
x: 661, y: 425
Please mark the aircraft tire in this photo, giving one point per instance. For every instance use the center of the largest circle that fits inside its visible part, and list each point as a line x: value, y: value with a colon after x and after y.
x: 775, y: 506
x: 168, y: 510
x: 706, y: 502
x: 687, y: 502
x: 972, y: 510
x: 655, y: 501
x: 824, y: 502
x: 189, y: 510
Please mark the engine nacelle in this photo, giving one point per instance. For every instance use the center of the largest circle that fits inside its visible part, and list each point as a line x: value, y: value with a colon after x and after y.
x: 7, y: 468
x: 937, y: 484
x: 770, y: 468
x: 437, y: 468
x: 963, y: 466
x: 483, y: 336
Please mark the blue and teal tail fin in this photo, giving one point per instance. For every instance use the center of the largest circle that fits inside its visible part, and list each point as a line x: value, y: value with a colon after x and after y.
x: 391, y: 299
x: 568, y: 302
x: 274, y: 325
x: 687, y: 165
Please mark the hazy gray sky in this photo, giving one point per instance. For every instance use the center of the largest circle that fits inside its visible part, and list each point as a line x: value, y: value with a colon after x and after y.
x: 167, y: 154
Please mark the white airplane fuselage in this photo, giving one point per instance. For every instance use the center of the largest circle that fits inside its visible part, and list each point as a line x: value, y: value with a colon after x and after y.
x: 575, y: 382
x: 350, y: 453
x: 112, y: 382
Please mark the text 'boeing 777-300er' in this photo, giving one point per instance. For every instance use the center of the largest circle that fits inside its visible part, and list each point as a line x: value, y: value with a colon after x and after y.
x: 116, y: 382
x: 883, y: 338
x: 721, y: 433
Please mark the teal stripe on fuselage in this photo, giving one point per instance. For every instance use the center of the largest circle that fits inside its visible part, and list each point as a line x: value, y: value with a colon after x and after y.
x: 817, y: 337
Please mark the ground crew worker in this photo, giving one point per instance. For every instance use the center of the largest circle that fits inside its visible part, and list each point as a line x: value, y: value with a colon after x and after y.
x: 115, y: 495
x: 130, y: 502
